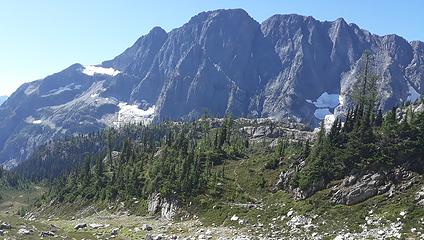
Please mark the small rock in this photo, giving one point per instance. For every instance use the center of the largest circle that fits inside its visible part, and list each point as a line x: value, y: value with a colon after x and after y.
x: 146, y: 227
x: 241, y: 221
x: 96, y: 225
x: 290, y: 213
x: 47, y: 234
x: 24, y: 231
x: 80, y: 226
x: 115, y: 231
x: 4, y: 226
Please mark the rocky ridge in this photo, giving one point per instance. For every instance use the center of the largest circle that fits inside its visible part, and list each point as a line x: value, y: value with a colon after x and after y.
x: 288, y: 67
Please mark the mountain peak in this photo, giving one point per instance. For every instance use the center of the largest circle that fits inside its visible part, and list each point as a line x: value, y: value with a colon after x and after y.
x: 157, y: 30
x: 224, y: 14
x: 222, y: 61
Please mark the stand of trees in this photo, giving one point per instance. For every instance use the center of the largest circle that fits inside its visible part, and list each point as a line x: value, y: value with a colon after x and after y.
x: 172, y: 159
x: 366, y: 141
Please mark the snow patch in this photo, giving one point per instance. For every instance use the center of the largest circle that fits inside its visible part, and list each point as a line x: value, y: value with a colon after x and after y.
x: 133, y: 114
x: 413, y: 95
x: 320, y: 113
x: 327, y: 100
x: 91, y: 70
x: 32, y: 120
x: 324, y: 103
x: 341, y: 100
x: 329, y: 120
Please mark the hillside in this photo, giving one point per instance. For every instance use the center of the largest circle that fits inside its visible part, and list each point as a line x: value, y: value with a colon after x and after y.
x: 221, y: 62
x: 241, y: 178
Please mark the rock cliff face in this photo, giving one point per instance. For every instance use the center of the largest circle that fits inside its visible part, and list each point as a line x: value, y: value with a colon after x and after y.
x: 220, y: 62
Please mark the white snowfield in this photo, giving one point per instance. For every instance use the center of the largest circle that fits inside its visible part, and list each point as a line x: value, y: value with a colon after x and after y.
x: 133, y: 114
x: 320, y: 113
x: 326, y: 103
x: 326, y: 100
x: 91, y: 70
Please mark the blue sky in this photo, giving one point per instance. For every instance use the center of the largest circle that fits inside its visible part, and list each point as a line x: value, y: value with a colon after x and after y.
x: 40, y: 37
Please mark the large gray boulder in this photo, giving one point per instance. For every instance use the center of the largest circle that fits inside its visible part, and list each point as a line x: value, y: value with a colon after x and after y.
x: 165, y: 207
x: 355, y: 189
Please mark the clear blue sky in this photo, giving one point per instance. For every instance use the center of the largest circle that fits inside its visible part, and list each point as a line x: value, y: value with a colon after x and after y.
x: 40, y: 37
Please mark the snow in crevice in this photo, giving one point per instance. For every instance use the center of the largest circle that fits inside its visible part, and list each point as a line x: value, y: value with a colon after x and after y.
x: 132, y: 114
x: 326, y: 100
x: 413, y: 95
x: 325, y: 104
x: 320, y: 113
x: 91, y: 70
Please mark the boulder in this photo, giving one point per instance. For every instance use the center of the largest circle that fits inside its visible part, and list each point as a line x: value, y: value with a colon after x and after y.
x: 115, y: 231
x: 47, y: 234
x: 146, y: 227
x: 5, y: 226
x: 96, y: 225
x: 167, y: 208
x: 80, y: 226
x: 354, y: 189
x: 24, y: 231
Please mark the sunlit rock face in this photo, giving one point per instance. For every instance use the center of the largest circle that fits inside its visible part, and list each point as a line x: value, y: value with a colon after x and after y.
x: 290, y: 66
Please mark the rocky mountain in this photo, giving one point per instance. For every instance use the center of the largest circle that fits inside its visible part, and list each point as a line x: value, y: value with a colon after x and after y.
x: 288, y: 67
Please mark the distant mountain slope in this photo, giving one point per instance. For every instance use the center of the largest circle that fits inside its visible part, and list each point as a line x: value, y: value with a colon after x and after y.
x: 220, y: 62
x: 2, y: 99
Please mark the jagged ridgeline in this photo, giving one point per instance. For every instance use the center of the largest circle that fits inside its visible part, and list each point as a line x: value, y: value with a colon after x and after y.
x: 288, y: 66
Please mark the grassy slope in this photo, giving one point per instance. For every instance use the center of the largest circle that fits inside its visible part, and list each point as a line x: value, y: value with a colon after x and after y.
x: 242, y: 186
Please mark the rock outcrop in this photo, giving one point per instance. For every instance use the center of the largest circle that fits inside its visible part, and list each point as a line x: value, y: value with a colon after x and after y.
x: 355, y: 189
x: 167, y: 208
